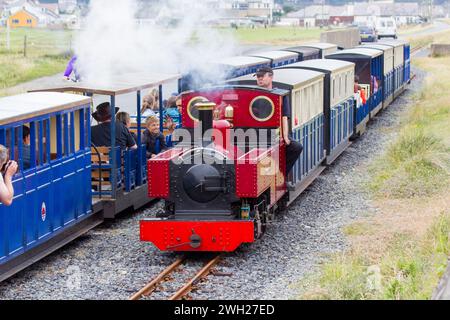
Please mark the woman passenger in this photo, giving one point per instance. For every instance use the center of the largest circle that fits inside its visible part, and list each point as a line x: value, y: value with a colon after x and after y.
x: 124, y: 117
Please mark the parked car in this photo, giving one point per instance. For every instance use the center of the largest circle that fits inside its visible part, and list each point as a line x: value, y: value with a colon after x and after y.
x: 386, y: 27
x: 368, y: 34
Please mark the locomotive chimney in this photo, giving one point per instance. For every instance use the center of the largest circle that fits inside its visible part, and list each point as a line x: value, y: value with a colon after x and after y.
x: 205, y: 112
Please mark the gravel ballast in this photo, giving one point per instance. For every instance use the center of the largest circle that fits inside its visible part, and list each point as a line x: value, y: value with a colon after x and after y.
x: 110, y: 262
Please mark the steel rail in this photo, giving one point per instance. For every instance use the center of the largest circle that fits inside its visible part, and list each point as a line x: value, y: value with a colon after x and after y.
x: 200, y: 275
x: 149, y: 288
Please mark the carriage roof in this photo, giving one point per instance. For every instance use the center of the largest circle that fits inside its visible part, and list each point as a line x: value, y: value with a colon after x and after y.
x: 306, y: 51
x: 329, y: 65
x: 371, y: 53
x: 394, y: 43
x: 118, y: 85
x: 275, y: 54
x: 321, y: 45
x: 242, y: 61
x: 383, y: 47
x: 35, y: 104
x: 284, y: 78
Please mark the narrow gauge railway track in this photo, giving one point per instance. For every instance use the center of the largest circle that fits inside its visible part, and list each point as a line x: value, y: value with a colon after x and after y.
x: 165, y: 276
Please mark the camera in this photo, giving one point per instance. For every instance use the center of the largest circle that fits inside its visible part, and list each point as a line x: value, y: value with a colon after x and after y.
x: 5, y: 167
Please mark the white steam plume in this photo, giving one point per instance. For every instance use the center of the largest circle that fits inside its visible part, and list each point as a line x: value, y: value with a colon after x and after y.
x: 113, y: 43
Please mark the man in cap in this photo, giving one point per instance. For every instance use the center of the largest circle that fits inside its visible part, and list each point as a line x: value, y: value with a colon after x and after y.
x: 101, y: 134
x: 264, y: 78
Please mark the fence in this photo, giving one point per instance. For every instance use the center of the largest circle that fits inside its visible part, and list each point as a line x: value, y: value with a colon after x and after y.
x: 35, y: 42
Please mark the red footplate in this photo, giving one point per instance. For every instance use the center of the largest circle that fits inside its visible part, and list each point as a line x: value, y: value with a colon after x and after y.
x: 211, y: 236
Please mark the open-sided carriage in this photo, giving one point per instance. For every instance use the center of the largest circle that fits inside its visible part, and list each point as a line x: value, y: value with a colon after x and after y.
x: 119, y: 177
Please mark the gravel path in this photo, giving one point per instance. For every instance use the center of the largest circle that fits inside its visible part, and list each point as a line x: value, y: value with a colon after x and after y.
x: 110, y: 262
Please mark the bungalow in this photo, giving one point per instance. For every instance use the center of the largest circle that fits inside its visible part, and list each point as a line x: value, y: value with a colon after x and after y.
x: 23, y: 18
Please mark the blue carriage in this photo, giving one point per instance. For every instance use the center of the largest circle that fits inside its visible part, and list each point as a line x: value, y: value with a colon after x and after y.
x: 388, y: 70
x: 400, y: 64
x: 53, y: 198
x: 338, y: 102
x: 369, y: 69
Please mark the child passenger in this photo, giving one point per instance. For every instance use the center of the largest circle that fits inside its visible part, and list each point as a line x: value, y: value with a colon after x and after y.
x: 153, y: 139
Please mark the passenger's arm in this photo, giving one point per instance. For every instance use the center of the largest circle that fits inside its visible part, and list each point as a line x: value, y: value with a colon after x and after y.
x: 6, y: 187
x: 285, y: 132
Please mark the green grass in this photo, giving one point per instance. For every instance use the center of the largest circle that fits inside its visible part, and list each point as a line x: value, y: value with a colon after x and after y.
x: 408, y: 270
x: 385, y: 259
x: 47, y: 53
x: 418, y: 162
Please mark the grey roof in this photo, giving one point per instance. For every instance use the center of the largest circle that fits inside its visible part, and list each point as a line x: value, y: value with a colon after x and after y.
x: 321, y: 45
x: 322, y: 64
x: 303, y: 50
x: 378, y: 46
x: 242, y: 61
x: 28, y: 105
x: 121, y: 84
x: 284, y: 78
x: 394, y: 43
x: 275, y: 55
x: 357, y: 51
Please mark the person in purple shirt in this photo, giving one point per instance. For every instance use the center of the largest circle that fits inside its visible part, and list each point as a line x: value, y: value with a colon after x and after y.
x: 71, y: 67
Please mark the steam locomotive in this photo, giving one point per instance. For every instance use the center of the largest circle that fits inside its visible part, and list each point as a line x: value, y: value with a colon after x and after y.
x: 226, y: 178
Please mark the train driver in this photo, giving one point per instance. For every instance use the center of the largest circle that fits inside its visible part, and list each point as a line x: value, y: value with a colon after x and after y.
x: 294, y: 149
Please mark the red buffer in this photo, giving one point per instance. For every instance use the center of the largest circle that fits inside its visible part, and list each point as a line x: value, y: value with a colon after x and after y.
x: 208, y: 236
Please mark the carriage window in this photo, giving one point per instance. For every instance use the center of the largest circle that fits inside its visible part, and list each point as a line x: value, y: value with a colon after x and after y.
x: 262, y: 108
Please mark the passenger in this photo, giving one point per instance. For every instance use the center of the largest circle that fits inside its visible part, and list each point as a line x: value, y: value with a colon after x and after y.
x: 374, y: 83
x: 362, y: 92
x: 26, y: 148
x: 155, y: 94
x: 72, y: 68
x: 294, y: 149
x: 153, y: 139
x: 149, y: 108
x: 101, y: 134
x: 172, y: 110
x: 8, y: 170
x: 125, y: 118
